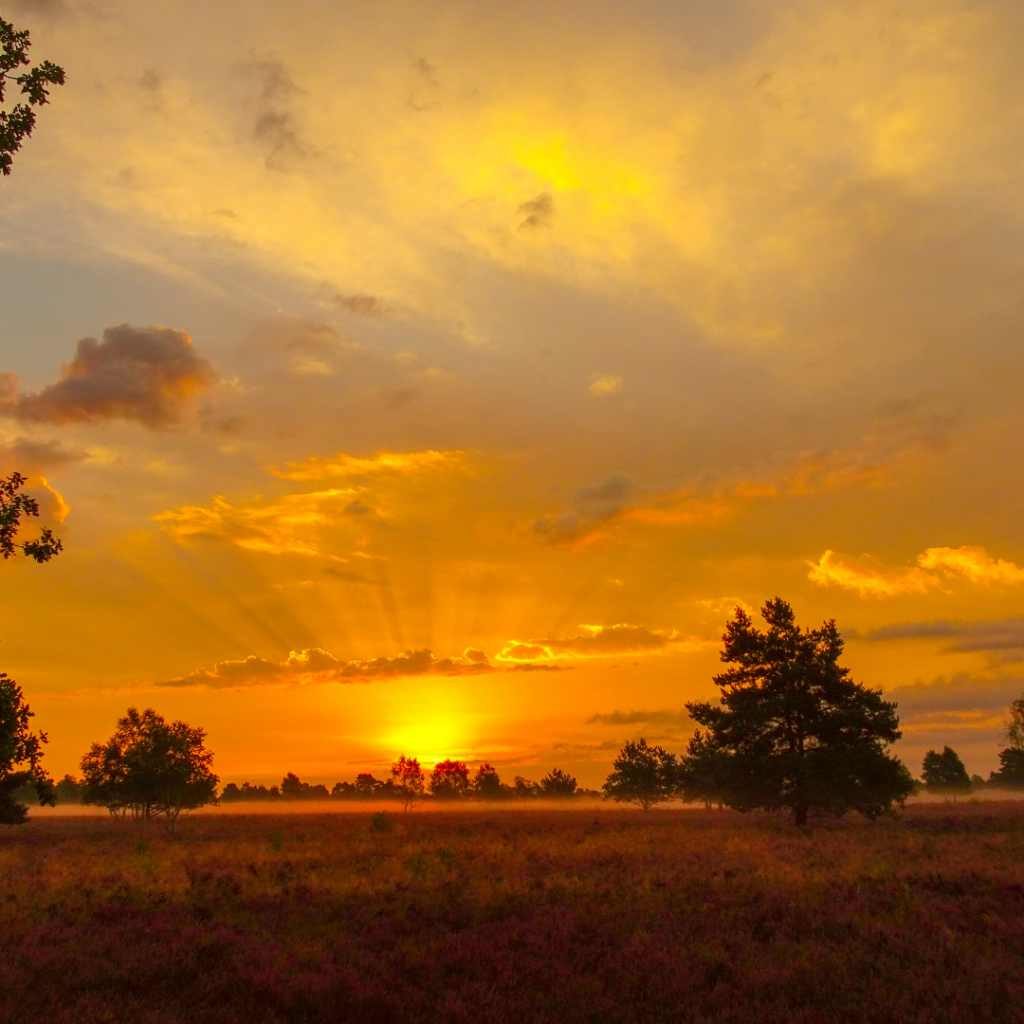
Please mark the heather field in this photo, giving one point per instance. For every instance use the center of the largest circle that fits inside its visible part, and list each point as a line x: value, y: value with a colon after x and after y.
x: 557, y: 916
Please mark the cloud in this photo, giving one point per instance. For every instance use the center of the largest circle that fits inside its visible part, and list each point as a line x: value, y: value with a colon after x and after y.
x: 972, y: 562
x: 36, y: 458
x: 289, y: 525
x: 604, y: 384
x: 596, y: 642
x: 275, y: 124
x: 867, y: 578
x: 1001, y: 638
x: 319, y: 666
x: 871, y: 579
x: 146, y: 374
x: 960, y: 697
x: 358, y: 303
x: 342, y: 465
x: 538, y: 212
x: 677, y: 718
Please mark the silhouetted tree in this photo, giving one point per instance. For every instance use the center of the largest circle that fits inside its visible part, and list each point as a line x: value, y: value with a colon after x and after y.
x: 366, y: 786
x: 487, y: 784
x: 68, y: 791
x: 150, y: 767
x: 525, y: 789
x: 16, y: 124
x: 945, y: 773
x: 797, y: 732
x: 14, y: 508
x: 642, y: 774
x: 407, y: 776
x: 449, y: 780
x: 1015, y: 725
x: 557, y: 784
x: 21, y: 752
x: 1011, y: 770
x: 703, y: 771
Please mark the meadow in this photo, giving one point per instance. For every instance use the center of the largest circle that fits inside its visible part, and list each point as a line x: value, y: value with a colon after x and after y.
x: 584, y: 915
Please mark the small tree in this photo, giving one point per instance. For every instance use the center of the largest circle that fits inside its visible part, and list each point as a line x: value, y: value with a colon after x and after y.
x: 525, y: 789
x: 365, y: 787
x: 15, y: 506
x: 21, y: 752
x: 795, y: 730
x: 642, y: 774
x: 150, y: 767
x: 945, y: 773
x: 449, y: 780
x: 557, y: 784
x: 487, y: 784
x: 16, y: 124
x: 407, y: 776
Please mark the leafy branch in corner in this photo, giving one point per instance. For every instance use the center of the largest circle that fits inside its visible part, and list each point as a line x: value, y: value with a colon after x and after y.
x: 13, y: 506
x: 16, y: 125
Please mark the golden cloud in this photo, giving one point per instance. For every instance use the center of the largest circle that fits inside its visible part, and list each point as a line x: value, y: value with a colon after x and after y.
x: 290, y: 525
x: 342, y: 465
x: 316, y: 665
x: 972, y: 562
x: 596, y: 642
x: 870, y: 579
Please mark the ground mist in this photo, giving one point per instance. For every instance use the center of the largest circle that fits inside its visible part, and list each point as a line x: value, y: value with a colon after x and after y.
x: 533, y: 916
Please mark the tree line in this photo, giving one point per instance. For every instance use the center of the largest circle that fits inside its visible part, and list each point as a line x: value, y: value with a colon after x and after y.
x: 791, y: 731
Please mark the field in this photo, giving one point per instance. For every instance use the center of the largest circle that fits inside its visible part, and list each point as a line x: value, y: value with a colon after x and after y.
x: 515, y: 916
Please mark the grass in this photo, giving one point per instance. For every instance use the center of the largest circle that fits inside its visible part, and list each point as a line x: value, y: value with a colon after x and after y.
x: 523, y: 916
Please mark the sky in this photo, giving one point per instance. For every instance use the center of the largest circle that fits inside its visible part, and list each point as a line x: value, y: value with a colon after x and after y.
x: 438, y: 377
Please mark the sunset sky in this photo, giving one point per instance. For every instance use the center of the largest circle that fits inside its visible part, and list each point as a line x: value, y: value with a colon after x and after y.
x: 456, y: 368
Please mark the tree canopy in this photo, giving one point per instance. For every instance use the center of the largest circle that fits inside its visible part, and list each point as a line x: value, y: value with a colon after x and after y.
x: 21, y: 751
x: 150, y: 767
x: 17, y: 124
x: 642, y: 774
x: 449, y: 780
x: 792, y: 729
x: 945, y: 772
x: 407, y: 776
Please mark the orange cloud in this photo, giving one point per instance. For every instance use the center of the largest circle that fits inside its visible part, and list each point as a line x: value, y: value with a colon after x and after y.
x: 873, y: 580
x: 596, y: 642
x: 972, y: 562
x: 342, y: 465
x: 319, y: 666
x: 286, y: 526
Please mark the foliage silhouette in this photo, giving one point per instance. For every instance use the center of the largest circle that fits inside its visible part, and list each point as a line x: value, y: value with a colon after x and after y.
x: 407, y: 778
x: 945, y: 773
x: 21, y: 751
x: 643, y: 775
x: 150, y: 767
x: 14, y: 507
x: 17, y: 124
x: 1011, y: 769
x: 449, y: 780
x: 558, y: 784
x: 704, y: 771
x: 794, y: 731
x: 487, y: 784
